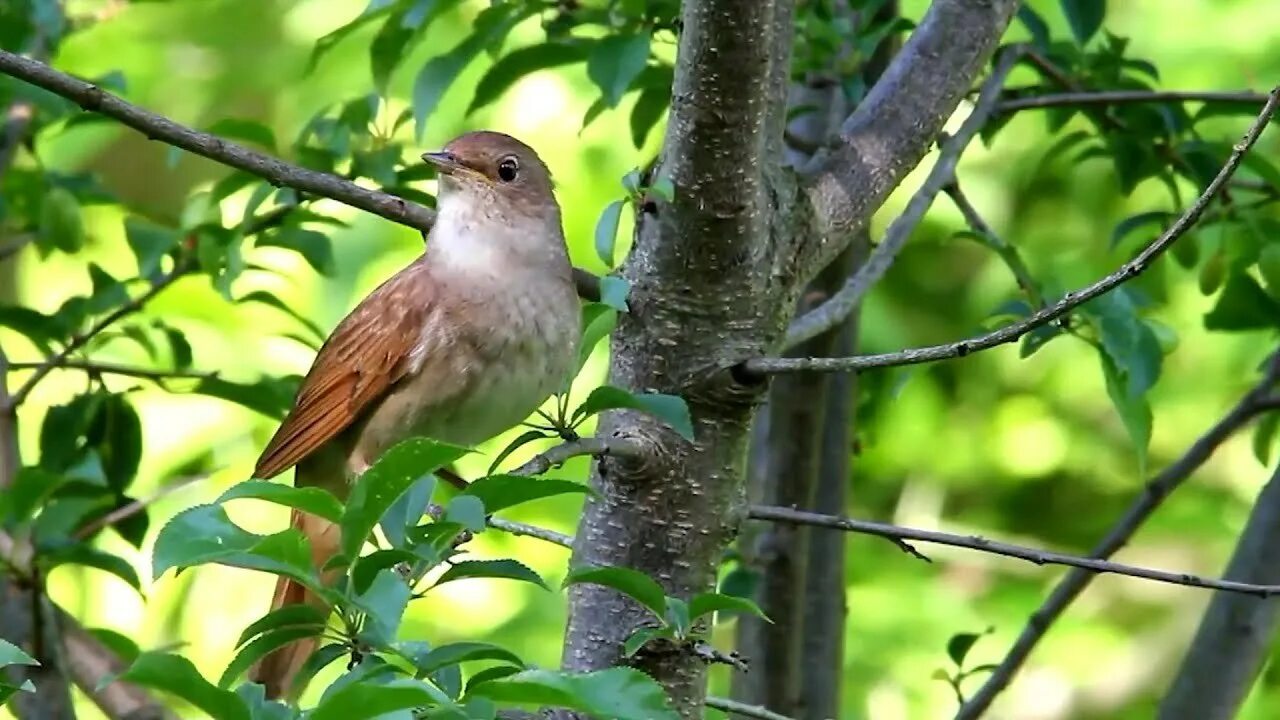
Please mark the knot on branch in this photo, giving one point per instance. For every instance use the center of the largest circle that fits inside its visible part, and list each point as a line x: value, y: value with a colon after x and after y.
x: 665, y: 649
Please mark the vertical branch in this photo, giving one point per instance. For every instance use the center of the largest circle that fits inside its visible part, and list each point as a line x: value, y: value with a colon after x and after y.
x: 1234, y: 638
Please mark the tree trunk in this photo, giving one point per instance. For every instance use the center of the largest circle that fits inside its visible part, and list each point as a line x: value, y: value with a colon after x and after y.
x: 1235, y: 634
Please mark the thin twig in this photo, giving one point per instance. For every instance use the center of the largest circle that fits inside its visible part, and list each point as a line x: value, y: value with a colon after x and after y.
x: 1119, y: 97
x: 105, y: 368
x: 1010, y: 333
x: 1005, y: 250
x: 734, y: 707
x: 127, y: 511
x: 1256, y: 401
x: 838, y: 307
x: 598, y: 446
x: 981, y: 544
x: 533, y: 531
x: 80, y: 340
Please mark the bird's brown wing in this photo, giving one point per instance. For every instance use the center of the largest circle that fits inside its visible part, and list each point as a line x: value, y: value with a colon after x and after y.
x: 365, y: 356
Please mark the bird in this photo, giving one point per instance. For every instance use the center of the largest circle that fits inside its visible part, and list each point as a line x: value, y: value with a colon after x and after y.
x: 460, y: 345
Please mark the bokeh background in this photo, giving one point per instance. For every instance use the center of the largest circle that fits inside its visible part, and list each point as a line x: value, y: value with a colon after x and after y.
x: 1028, y: 451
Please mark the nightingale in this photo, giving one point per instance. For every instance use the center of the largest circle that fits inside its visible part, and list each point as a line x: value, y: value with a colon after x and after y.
x: 464, y: 343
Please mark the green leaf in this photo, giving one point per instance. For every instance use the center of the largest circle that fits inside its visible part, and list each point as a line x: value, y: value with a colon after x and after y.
x: 61, y: 222
x: 439, y: 72
x: 518, y: 63
x: 31, y: 489
x: 429, y: 661
x: 364, y: 700
x: 598, y: 320
x: 1243, y: 305
x: 1264, y: 437
x: 317, y: 661
x: 384, y: 604
x: 368, y: 567
x: 668, y: 408
x: 150, y: 243
x: 467, y: 511
x: 245, y: 130
x: 176, y: 675
x: 89, y: 556
x: 1084, y: 17
x: 616, y: 693
x: 270, y: 396
x: 505, y: 569
x: 405, y: 512
x: 664, y: 188
x: 262, y: 646
x: 375, y: 10
x: 607, y: 231
x: 524, y: 439
x: 382, y: 484
x: 499, y: 492
x: 632, y: 583
x: 1269, y: 268
x: 11, y: 654
x: 647, y: 111
x: 204, y: 534
x: 314, y: 247
x: 1263, y: 168
x: 294, y: 615
x: 1133, y: 222
x: 1134, y: 411
x: 708, y: 603
x: 614, y: 291
x: 1035, y: 25
x: 1130, y: 342
x: 959, y: 645
x: 677, y: 616
x: 314, y: 500
x: 615, y: 62
x: 265, y: 298
x: 123, y: 647
x: 639, y: 639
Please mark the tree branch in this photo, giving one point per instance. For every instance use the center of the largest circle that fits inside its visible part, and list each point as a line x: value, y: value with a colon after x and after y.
x: 1120, y: 97
x: 1257, y: 400
x: 838, y: 307
x: 899, y: 119
x: 94, y: 367
x: 597, y: 446
x: 1010, y: 333
x: 157, y: 127
x: 274, y: 170
x: 981, y: 544
x: 60, y: 358
x: 734, y: 707
x: 1004, y: 249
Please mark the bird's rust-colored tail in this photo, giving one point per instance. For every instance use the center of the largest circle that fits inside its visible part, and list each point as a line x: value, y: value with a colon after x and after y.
x: 278, y: 670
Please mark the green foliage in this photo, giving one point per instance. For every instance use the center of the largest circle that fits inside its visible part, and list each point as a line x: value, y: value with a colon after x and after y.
x: 10, y: 654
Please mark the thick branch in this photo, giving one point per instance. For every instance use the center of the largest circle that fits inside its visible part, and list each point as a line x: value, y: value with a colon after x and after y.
x: 981, y: 544
x: 1120, y: 97
x: 838, y: 307
x: 157, y: 127
x: 1257, y: 400
x: 1010, y: 333
x: 894, y: 127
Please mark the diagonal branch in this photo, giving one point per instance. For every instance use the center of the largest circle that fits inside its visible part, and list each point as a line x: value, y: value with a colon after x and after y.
x: 899, y: 119
x: 93, y: 367
x: 1258, y: 400
x: 838, y: 307
x: 1089, y: 566
x: 1121, y: 97
x: 1010, y: 333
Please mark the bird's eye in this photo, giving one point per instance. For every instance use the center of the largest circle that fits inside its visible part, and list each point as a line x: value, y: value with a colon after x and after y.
x: 508, y: 168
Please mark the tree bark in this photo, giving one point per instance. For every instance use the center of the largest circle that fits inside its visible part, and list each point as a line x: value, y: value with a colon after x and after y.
x: 1235, y: 634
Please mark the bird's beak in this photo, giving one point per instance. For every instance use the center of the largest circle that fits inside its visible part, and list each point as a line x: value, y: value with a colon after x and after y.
x: 446, y: 163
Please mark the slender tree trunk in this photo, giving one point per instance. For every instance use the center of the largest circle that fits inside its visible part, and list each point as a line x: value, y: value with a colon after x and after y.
x: 1236, y: 632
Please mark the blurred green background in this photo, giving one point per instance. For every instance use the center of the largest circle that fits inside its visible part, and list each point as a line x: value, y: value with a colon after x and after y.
x: 1028, y: 451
